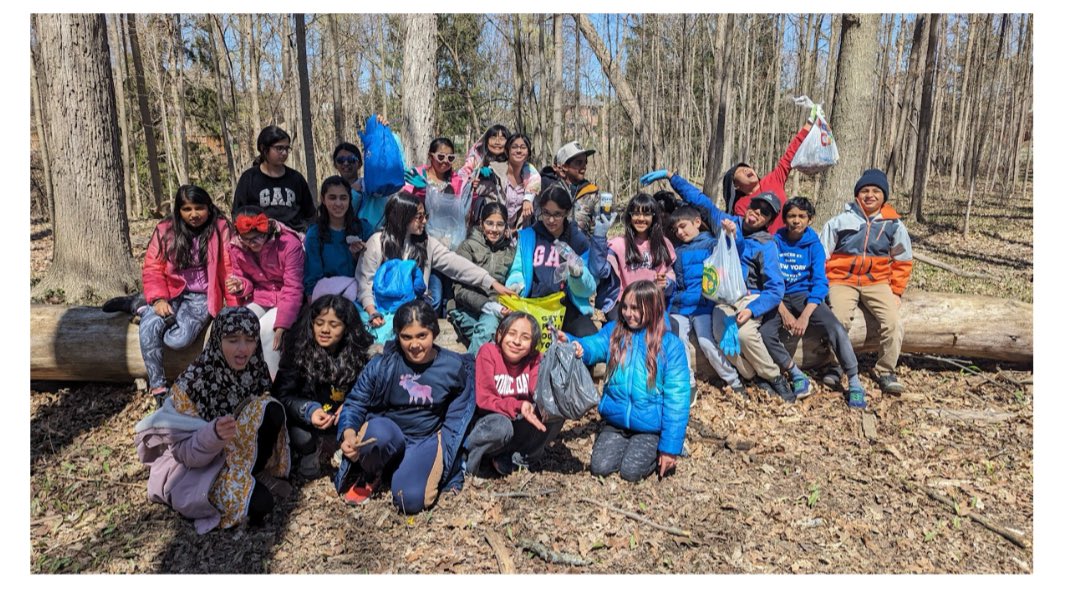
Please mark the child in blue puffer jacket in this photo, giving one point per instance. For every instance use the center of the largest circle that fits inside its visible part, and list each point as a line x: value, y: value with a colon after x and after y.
x: 689, y: 309
x: 759, y: 263
x: 645, y: 404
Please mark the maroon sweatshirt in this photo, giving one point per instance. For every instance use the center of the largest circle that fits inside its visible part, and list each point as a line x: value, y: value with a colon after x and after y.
x: 500, y: 387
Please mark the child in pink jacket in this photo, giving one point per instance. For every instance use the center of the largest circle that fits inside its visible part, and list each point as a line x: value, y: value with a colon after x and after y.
x: 268, y: 276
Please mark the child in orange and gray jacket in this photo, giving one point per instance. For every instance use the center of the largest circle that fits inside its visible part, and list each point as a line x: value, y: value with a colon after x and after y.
x: 869, y: 261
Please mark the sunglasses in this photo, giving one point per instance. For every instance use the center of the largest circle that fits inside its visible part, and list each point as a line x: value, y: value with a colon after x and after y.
x: 346, y: 160
x: 444, y: 157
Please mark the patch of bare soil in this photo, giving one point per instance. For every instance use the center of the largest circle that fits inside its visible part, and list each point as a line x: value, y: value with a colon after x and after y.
x: 767, y: 488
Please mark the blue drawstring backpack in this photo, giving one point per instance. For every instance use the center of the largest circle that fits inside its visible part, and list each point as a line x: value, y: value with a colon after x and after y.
x: 383, y: 168
x: 396, y: 282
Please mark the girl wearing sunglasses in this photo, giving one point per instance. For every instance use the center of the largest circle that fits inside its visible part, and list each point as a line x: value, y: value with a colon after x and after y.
x: 437, y: 171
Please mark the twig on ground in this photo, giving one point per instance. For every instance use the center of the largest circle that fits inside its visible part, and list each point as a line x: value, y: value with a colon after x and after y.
x: 1012, y: 536
x: 952, y: 361
x: 638, y: 518
x: 950, y: 268
x: 550, y: 556
x: 524, y: 493
x: 100, y: 480
x: 500, y: 549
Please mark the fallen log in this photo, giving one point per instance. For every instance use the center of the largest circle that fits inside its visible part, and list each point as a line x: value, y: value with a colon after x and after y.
x: 87, y: 344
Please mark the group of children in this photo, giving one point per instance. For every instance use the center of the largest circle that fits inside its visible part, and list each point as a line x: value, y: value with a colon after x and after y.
x: 416, y: 416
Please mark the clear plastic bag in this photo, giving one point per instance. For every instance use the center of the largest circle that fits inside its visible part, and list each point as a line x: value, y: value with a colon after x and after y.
x: 448, y: 215
x: 723, y: 280
x: 568, y: 259
x: 564, y: 389
x: 818, y: 151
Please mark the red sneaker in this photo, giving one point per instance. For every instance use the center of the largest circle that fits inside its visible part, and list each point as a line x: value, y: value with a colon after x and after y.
x: 359, y: 493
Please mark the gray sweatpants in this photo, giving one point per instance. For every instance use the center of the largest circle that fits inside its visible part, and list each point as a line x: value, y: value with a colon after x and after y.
x: 632, y: 454
x: 190, y: 315
x: 496, y: 434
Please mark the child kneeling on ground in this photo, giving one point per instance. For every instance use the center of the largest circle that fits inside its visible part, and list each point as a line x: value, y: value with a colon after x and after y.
x: 645, y: 404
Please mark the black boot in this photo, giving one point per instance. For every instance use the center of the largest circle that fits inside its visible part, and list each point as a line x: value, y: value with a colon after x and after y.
x: 783, y: 388
x: 126, y: 303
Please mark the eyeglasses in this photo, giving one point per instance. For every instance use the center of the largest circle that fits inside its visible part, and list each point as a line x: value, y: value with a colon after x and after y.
x: 444, y: 157
x: 422, y: 217
x: 498, y: 225
x: 553, y: 216
x: 281, y: 149
x: 641, y: 214
x: 253, y: 237
x: 345, y: 160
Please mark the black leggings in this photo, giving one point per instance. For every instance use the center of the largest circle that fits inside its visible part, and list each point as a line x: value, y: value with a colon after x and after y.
x: 262, y: 502
x: 575, y: 323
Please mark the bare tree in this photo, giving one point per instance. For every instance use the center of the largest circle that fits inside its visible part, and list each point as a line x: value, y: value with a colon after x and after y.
x: 147, y: 122
x: 93, y: 256
x: 305, y: 98
x: 922, y: 152
x: 853, y: 101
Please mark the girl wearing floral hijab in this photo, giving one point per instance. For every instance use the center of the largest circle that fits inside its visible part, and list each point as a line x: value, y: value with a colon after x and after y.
x: 218, y: 448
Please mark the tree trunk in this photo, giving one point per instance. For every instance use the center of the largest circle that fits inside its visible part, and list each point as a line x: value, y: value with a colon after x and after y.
x: 922, y: 152
x: 39, y: 126
x: 156, y: 56
x: 338, y: 109
x: 146, y: 118
x: 254, y: 124
x: 853, y: 100
x: 305, y: 99
x: 93, y: 258
x: 177, y: 94
x: 220, y: 99
x: 618, y: 82
x: 85, y: 344
x: 557, y: 84
x: 419, y: 84
x: 716, y: 147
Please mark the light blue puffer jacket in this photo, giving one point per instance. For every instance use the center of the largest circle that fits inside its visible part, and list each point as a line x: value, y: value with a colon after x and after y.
x: 627, y: 401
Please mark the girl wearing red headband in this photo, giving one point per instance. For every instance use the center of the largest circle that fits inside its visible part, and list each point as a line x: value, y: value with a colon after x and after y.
x: 268, y: 276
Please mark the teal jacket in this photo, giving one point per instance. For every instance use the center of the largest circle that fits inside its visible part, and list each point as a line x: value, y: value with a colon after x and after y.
x: 579, y: 289
x: 627, y: 401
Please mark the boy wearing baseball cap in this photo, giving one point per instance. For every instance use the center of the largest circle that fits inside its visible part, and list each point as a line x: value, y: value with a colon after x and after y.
x: 869, y: 261
x: 568, y: 171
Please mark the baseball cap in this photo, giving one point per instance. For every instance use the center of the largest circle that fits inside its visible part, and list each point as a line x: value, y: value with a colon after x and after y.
x: 570, y: 150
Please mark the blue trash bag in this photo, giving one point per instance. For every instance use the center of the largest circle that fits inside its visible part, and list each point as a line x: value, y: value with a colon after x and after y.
x: 396, y: 282
x: 383, y: 168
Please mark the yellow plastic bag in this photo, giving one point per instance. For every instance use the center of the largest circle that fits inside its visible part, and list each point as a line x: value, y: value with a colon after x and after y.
x: 548, y: 310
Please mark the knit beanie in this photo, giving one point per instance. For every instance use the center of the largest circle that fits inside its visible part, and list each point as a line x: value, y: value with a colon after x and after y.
x: 873, y: 177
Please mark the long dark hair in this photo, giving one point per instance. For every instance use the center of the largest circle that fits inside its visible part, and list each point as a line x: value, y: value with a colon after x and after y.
x: 495, y: 208
x: 512, y: 318
x: 483, y: 144
x: 268, y: 137
x: 352, y: 227
x: 649, y: 299
x: 657, y: 245
x: 400, y: 211
x: 180, y: 251
x: 317, y: 364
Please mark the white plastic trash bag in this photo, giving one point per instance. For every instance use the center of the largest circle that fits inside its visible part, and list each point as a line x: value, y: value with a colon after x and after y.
x: 723, y: 280
x: 818, y: 151
x: 448, y: 215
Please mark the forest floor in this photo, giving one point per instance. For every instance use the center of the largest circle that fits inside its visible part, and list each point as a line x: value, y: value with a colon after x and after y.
x: 767, y: 487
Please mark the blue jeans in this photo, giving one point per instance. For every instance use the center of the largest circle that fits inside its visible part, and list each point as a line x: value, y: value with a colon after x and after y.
x: 416, y: 464
x: 439, y: 290
x: 190, y: 318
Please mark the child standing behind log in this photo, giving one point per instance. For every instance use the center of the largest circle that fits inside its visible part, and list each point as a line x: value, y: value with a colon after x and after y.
x: 184, y: 276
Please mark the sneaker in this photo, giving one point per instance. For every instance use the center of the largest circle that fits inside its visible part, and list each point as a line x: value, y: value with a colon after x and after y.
x: 502, y: 464
x: 781, y: 387
x: 764, y: 385
x: 309, y: 465
x: 802, y: 387
x: 126, y: 303
x: 360, y: 492
x: 520, y: 461
x: 831, y: 377
x: 857, y: 398
x: 336, y: 459
x: 890, y: 385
